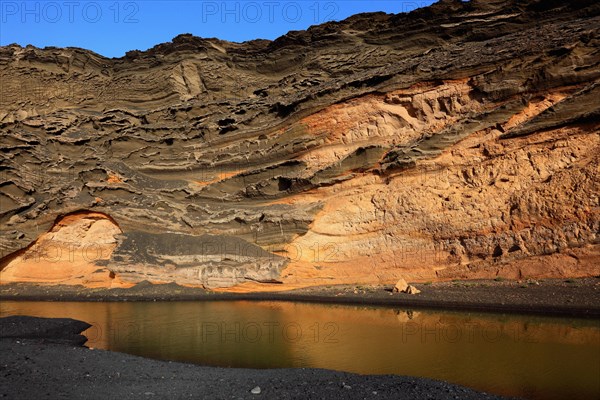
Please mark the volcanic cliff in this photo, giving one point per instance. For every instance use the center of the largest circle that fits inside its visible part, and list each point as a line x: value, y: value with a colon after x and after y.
x: 460, y: 140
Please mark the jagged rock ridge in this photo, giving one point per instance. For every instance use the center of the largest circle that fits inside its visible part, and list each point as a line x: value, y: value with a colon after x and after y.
x: 457, y: 141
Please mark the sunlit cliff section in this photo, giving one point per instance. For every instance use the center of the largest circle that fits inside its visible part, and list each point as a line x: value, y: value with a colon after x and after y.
x: 72, y: 252
x: 461, y: 140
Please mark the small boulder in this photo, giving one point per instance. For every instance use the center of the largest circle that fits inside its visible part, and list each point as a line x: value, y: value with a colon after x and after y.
x: 401, y: 286
x: 256, y: 390
x: 412, y: 290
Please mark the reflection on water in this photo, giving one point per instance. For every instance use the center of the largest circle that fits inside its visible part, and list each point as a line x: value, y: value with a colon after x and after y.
x: 532, y: 357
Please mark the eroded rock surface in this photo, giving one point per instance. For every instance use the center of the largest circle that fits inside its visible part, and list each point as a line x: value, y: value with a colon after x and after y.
x: 458, y: 141
x: 70, y: 253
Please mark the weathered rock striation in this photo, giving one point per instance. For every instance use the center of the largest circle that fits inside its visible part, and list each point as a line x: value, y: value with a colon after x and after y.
x: 460, y: 140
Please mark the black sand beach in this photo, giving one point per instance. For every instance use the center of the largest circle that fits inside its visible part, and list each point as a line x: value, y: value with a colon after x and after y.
x: 566, y: 297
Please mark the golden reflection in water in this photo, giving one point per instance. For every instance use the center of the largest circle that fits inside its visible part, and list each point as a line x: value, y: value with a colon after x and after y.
x: 527, y: 356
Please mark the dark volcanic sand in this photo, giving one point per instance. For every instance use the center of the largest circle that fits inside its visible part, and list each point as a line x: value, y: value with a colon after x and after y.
x: 38, y: 361
x: 576, y: 297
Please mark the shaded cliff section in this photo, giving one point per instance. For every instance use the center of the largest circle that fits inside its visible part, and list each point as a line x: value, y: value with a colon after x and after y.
x: 460, y: 140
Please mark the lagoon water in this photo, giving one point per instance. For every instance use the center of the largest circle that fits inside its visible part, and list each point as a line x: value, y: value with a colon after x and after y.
x: 526, y: 356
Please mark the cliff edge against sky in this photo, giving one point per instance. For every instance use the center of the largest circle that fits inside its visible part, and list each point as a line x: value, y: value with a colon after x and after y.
x: 461, y: 140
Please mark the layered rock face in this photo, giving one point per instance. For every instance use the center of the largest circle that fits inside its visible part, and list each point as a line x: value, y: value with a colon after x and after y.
x: 461, y: 140
x: 68, y: 254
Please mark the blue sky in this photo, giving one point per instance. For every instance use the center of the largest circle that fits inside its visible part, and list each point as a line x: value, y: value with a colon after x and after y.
x: 113, y: 27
